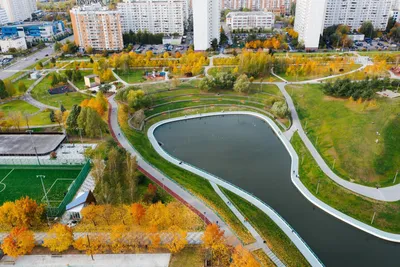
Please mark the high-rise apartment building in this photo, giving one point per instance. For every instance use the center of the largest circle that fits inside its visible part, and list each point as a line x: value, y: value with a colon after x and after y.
x: 354, y: 13
x: 312, y: 16
x: 309, y: 22
x: 97, y: 27
x: 206, y: 22
x: 275, y: 6
x: 18, y: 10
x: 154, y: 16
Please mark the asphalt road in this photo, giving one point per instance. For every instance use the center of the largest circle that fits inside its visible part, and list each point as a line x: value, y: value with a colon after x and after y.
x: 23, y: 63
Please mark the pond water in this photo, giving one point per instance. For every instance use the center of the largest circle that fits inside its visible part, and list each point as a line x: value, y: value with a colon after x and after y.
x: 245, y: 151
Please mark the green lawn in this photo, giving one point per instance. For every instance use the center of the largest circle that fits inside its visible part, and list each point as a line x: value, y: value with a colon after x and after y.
x: 271, y: 233
x: 215, y: 70
x: 20, y: 181
x: 347, y: 134
x: 41, y: 118
x: 81, y: 84
x: 263, y: 258
x: 195, y: 184
x: 191, y: 255
x: 361, y: 208
x: 132, y: 76
x: 18, y: 106
x: 40, y: 93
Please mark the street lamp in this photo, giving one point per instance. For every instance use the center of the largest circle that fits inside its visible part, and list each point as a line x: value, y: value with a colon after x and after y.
x: 44, y: 189
x: 33, y: 145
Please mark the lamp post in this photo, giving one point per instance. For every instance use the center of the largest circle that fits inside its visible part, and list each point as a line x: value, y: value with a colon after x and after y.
x: 44, y: 189
x: 33, y: 145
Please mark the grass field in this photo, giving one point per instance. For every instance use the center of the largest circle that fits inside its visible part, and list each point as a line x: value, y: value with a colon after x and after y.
x: 132, y: 76
x: 19, y: 181
x: 41, y: 94
x: 347, y: 134
x: 193, y: 255
x: 361, y: 208
x: 16, y: 106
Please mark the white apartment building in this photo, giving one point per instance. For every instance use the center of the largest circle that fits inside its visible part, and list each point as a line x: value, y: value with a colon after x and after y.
x: 250, y: 20
x: 312, y: 16
x: 97, y: 27
x: 206, y: 22
x: 15, y: 42
x: 154, y: 16
x: 275, y: 6
x: 354, y: 13
x: 3, y: 16
x: 18, y: 10
x: 309, y: 22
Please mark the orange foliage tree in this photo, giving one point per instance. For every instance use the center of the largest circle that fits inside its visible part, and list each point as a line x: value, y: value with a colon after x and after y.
x: 138, y: 212
x: 243, y: 258
x: 19, y: 242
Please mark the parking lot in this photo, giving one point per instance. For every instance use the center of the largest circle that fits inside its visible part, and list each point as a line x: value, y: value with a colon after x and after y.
x: 158, y: 49
x: 373, y: 45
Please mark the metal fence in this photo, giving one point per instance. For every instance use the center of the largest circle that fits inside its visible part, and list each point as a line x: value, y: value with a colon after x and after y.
x: 58, y: 211
x: 40, y: 161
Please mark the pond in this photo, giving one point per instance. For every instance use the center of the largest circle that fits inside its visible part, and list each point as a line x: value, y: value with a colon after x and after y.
x: 245, y: 151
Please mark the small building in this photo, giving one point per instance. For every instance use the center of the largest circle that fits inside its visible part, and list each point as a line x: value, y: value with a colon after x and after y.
x: 356, y: 37
x: 43, y: 30
x: 74, y: 208
x: 35, y: 75
x: 250, y: 20
x: 14, y: 42
x: 172, y: 40
x: 89, y: 78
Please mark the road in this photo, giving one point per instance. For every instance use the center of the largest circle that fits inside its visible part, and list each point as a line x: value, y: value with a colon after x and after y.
x: 29, y: 60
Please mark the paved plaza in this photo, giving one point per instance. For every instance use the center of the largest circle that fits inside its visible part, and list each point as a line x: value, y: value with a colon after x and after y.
x: 101, y: 260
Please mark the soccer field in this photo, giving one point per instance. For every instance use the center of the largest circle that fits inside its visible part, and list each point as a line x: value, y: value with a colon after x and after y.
x: 20, y: 181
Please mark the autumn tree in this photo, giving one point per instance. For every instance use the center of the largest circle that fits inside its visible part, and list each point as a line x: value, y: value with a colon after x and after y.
x: 243, y: 258
x: 214, y: 240
x: 154, y: 237
x: 242, y: 84
x: 138, y: 212
x: 19, y: 242
x: 59, y: 238
x: 91, y: 213
x: 28, y: 212
x: 158, y: 215
x: 92, y: 244
x: 117, y: 238
x: 178, y: 240
x: 8, y: 215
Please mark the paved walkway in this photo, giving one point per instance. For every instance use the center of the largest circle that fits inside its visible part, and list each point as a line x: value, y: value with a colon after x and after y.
x: 100, y: 260
x: 391, y: 193
x: 259, y: 244
x: 163, y: 180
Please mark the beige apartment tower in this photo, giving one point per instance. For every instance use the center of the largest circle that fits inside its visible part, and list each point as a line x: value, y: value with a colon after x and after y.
x: 97, y: 27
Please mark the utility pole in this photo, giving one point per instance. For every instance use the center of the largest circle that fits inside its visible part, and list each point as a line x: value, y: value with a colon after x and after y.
x: 33, y: 145
x: 88, y: 240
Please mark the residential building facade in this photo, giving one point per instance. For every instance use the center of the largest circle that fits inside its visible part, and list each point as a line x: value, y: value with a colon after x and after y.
x: 14, y: 42
x: 154, y: 16
x: 18, y: 10
x: 3, y: 16
x: 309, y: 22
x: 312, y: 16
x: 354, y: 13
x: 97, y: 27
x: 250, y: 20
x: 206, y: 22
x: 275, y: 6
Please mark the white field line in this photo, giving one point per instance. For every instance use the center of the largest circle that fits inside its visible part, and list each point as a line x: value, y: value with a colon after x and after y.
x: 1, y: 182
x: 63, y: 179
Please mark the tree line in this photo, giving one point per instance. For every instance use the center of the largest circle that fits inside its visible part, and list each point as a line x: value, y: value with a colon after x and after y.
x: 142, y: 38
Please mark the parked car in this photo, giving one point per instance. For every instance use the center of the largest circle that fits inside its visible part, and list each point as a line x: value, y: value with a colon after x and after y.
x: 72, y: 223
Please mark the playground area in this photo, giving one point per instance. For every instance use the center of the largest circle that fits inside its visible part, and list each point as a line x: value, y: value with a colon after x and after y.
x: 26, y: 180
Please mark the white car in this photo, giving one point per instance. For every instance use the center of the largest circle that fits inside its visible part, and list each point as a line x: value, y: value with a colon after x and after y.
x: 72, y: 223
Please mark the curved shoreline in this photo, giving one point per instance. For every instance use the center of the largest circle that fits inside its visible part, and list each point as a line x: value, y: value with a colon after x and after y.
x: 300, y: 244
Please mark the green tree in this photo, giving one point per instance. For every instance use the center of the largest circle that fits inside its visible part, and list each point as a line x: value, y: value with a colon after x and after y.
x: 280, y: 109
x: 214, y: 44
x: 57, y: 46
x: 72, y: 120
x: 242, y: 84
x: 3, y: 91
x: 62, y: 108
x: 367, y: 29
x: 21, y: 87
x: 52, y: 116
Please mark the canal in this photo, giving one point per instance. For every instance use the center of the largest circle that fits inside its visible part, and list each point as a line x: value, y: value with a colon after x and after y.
x: 245, y: 151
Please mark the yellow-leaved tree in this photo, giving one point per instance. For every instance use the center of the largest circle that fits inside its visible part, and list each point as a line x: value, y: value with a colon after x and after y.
x: 243, y: 258
x: 59, y: 238
x: 178, y: 240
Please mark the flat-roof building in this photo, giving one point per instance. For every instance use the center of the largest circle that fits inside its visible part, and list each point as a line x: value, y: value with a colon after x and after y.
x: 14, y: 42
x: 250, y: 20
x: 40, y: 29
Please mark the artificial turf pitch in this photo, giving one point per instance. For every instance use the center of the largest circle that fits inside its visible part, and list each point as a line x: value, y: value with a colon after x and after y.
x: 20, y: 181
